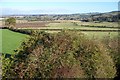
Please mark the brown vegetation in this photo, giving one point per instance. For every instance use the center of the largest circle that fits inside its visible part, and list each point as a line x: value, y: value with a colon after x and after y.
x: 31, y: 24
x: 62, y: 55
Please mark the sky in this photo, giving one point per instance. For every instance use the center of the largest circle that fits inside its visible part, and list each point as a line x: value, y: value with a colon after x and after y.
x: 59, y: 0
x: 10, y: 7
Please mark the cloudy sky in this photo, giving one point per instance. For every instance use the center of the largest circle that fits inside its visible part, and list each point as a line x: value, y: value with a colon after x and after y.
x: 56, y: 6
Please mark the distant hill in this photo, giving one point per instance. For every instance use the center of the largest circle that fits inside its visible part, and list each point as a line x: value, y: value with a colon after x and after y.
x: 113, y: 16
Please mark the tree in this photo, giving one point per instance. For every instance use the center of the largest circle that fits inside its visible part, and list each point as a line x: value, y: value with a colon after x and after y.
x: 10, y: 22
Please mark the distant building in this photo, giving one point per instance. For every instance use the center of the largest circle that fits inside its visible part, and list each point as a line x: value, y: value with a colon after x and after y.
x: 2, y: 19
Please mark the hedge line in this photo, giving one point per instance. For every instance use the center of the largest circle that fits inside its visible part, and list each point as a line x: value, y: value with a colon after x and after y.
x: 99, y: 26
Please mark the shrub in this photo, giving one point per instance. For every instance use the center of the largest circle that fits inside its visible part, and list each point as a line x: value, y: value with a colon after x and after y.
x: 66, y: 55
x: 113, y: 46
x: 10, y: 22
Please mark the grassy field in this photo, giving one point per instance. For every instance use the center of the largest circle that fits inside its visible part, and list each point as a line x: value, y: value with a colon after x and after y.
x: 100, y: 35
x: 10, y: 40
x: 109, y: 24
x: 77, y: 25
x: 92, y: 34
x: 69, y: 25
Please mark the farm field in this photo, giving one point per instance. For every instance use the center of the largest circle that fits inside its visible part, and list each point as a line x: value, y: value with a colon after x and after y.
x: 25, y: 24
x: 109, y: 24
x: 100, y: 35
x: 66, y: 25
x: 31, y: 24
x: 91, y: 34
x: 10, y: 40
x: 0, y: 23
x: 112, y: 24
x: 70, y: 25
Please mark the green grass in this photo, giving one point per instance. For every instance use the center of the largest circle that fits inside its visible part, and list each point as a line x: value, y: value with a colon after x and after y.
x: 10, y: 40
x: 107, y: 24
x: 77, y: 25
x: 100, y: 35
x: 69, y: 25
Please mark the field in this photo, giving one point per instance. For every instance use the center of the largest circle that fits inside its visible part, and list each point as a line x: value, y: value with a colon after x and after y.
x: 0, y: 23
x: 93, y: 33
x: 100, y: 35
x: 109, y: 24
x: 66, y: 25
x: 31, y: 24
x: 69, y: 25
x: 10, y: 40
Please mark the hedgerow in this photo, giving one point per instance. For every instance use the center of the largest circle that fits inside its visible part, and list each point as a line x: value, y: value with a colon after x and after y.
x: 62, y: 55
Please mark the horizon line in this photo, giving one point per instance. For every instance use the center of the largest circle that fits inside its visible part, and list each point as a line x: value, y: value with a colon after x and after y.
x: 58, y: 13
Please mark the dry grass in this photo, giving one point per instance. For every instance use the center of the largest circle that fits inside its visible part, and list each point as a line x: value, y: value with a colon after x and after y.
x: 108, y: 24
x: 1, y: 23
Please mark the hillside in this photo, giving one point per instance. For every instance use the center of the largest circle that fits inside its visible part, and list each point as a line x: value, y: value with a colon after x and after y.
x: 63, y: 55
x: 86, y: 17
x: 109, y: 17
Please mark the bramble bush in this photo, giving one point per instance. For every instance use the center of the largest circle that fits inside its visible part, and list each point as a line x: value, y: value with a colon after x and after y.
x: 113, y: 46
x: 62, y: 55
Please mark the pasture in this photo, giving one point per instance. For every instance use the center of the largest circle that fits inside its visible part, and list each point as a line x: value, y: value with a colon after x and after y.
x: 10, y: 40
x: 109, y: 24
x: 76, y: 25
x: 67, y: 25
x: 101, y: 35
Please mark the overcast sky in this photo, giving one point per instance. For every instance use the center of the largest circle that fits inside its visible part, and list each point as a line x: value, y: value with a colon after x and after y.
x: 57, y: 6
